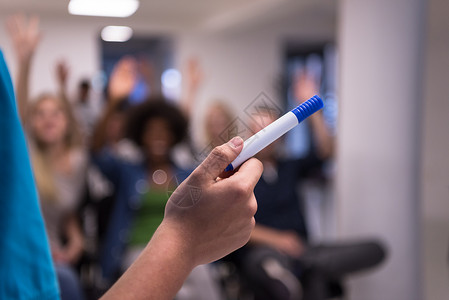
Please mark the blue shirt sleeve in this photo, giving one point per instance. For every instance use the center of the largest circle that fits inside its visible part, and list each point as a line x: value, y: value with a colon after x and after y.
x: 26, y: 269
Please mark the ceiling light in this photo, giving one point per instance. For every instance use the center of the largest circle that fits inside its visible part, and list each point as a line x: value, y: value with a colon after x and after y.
x: 116, y: 33
x: 103, y: 8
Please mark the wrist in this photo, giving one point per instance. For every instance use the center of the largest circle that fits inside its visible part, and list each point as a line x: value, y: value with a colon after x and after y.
x: 176, y: 246
x: 160, y: 270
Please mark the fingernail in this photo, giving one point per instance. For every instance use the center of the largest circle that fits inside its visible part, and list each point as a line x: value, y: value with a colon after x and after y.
x: 236, y: 142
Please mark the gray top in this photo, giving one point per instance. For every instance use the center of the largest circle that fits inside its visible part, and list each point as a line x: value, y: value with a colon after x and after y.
x: 69, y: 189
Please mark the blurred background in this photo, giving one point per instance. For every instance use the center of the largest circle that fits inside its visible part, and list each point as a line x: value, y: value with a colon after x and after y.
x: 382, y: 68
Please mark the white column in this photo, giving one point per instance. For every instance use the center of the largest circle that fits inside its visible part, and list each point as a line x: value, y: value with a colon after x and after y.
x: 380, y: 46
x: 435, y: 151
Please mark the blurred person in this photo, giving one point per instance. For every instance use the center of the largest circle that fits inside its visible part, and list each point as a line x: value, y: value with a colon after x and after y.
x: 279, y: 262
x: 123, y: 79
x: 217, y: 121
x: 189, y: 235
x: 193, y: 78
x: 109, y: 133
x: 218, y: 116
x: 132, y: 78
x: 304, y: 86
x: 86, y: 107
x: 58, y: 156
x: 141, y: 188
x: 110, y: 129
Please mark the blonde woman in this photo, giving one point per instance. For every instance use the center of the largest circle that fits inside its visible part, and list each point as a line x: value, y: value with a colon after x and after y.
x: 58, y: 158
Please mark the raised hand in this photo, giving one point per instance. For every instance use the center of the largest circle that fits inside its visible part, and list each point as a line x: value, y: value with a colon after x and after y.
x: 123, y: 79
x: 305, y: 86
x: 194, y: 73
x: 25, y: 35
x: 62, y: 73
x: 193, y: 78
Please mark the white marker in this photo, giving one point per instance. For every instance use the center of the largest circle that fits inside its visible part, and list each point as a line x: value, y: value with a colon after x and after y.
x: 275, y: 130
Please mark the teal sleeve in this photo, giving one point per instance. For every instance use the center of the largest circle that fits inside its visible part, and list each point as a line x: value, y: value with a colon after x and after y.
x: 26, y: 269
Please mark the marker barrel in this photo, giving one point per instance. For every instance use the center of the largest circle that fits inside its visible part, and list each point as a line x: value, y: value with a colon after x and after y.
x: 275, y: 130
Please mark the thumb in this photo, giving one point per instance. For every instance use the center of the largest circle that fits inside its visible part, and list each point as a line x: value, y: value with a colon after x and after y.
x: 219, y: 159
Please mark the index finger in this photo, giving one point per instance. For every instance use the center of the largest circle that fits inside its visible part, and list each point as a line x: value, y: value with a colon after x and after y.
x: 219, y: 158
x: 251, y: 170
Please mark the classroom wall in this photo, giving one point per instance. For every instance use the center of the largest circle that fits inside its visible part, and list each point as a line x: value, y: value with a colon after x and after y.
x: 74, y: 42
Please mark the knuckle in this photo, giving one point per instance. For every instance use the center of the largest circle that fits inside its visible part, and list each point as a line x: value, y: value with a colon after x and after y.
x: 249, y: 228
x: 240, y: 191
x: 194, y: 178
x: 257, y: 164
x: 252, y: 223
x: 252, y: 206
x: 260, y: 165
x: 245, y: 188
x: 218, y: 153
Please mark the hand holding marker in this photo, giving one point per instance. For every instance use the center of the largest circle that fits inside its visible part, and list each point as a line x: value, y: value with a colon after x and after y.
x: 276, y: 129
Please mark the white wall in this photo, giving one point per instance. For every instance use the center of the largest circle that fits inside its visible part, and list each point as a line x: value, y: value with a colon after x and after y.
x: 74, y: 42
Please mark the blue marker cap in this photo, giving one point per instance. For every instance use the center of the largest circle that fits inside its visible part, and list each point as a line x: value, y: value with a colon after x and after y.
x: 229, y: 168
x: 307, y: 108
x: 272, y: 132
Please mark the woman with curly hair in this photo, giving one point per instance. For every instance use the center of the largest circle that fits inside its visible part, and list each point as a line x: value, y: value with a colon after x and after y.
x: 141, y: 182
